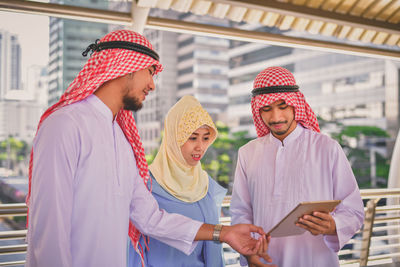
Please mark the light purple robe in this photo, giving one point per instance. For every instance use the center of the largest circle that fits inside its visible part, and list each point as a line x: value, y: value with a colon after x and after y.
x: 86, y: 187
x: 273, y: 177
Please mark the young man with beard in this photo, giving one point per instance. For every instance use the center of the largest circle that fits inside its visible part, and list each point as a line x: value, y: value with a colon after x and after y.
x: 291, y: 162
x: 88, y: 169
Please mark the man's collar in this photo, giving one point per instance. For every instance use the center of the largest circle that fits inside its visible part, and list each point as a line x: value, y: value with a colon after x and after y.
x: 288, y: 139
x: 100, y: 106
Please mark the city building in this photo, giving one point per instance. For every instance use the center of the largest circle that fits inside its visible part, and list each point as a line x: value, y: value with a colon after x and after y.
x: 68, y: 39
x: 150, y: 118
x: 20, y: 104
x: 203, y: 68
x: 10, y: 63
x: 19, y: 117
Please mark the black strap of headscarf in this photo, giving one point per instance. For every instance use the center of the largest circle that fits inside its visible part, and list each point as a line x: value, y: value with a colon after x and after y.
x: 275, y: 89
x: 96, y: 47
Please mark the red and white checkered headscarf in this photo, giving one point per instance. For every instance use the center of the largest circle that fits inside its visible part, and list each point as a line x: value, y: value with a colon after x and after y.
x: 277, y: 80
x: 103, y: 66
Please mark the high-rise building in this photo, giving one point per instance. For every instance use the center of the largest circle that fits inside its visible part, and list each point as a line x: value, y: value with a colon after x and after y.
x: 202, y: 71
x: 15, y: 63
x: 203, y: 67
x: 150, y: 118
x: 10, y: 63
x: 68, y: 39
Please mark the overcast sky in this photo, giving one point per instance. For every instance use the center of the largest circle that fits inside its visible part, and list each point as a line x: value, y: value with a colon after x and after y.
x: 33, y: 35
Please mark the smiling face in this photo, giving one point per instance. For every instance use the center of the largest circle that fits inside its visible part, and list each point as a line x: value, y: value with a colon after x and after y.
x: 196, y: 145
x: 137, y: 87
x: 279, y: 118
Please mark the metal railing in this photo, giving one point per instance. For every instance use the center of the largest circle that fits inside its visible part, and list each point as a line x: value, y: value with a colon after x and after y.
x: 381, y: 230
x: 377, y: 241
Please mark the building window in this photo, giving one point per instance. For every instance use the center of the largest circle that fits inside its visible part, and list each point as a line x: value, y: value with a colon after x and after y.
x: 185, y: 85
x: 186, y: 56
x: 259, y: 55
x: 185, y: 71
x: 186, y: 42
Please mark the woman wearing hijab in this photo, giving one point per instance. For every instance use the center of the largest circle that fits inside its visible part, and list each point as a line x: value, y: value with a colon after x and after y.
x: 180, y: 185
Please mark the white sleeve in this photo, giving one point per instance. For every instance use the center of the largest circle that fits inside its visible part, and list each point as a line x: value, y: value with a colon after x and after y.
x: 241, y: 207
x: 349, y: 214
x: 173, y: 229
x: 55, y: 157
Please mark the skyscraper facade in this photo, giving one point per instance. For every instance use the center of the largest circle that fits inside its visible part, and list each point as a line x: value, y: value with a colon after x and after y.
x: 10, y: 63
x: 68, y: 39
x: 150, y: 118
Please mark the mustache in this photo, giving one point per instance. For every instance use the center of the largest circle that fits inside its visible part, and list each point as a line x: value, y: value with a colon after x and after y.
x: 276, y: 122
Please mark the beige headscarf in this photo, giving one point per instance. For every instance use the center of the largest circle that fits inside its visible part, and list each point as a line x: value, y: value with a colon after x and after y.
x: 169, y: 168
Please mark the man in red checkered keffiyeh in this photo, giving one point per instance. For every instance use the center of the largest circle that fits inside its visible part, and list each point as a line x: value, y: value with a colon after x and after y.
x: 274, y: 84
x: 88, y: 170
x: 292, y: 162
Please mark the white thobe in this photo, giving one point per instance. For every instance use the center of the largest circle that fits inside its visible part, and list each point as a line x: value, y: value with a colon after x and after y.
x: 86, y: 187
x: 272, y: 177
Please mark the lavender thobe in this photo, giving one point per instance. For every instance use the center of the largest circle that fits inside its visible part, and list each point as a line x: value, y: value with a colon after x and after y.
x: 86, y: 187
x: 272, y: 177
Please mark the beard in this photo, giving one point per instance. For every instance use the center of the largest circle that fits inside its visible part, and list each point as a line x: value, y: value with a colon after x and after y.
x: 131, y: 103
x: 282, y: 132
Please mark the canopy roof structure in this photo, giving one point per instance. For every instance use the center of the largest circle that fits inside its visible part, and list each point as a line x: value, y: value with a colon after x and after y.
x: 369, y: 21
x: 363, y: 27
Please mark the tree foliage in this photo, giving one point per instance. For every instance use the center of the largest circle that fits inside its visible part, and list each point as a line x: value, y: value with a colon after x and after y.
x: 220, y: 159
x: 12, y: 151
x: 358, y: 132
x: 360, y: 155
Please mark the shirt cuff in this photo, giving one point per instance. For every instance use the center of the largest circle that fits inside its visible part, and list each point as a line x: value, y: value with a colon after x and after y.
x: 332, y: 242
x: 191, y: 235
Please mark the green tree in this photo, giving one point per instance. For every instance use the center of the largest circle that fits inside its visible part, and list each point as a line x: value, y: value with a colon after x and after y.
x: 359, y: 132
x: 150, y: 157
x: 360, y: 155
x: 221, y: 156
x: 12, y: 151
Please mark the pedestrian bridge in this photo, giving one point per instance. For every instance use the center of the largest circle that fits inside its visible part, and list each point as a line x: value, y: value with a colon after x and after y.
x: 376, y: 244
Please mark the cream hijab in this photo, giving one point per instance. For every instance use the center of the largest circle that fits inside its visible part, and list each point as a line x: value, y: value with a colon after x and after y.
x: 169, y: 168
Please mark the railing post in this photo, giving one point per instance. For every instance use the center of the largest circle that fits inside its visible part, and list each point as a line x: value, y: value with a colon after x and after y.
x: 367, y: 231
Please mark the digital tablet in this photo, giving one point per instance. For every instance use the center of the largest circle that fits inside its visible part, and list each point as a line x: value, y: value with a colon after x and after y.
x: 287, y: 226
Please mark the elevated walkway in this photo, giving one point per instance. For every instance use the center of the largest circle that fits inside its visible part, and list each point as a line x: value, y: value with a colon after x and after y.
x: 376, y: 244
